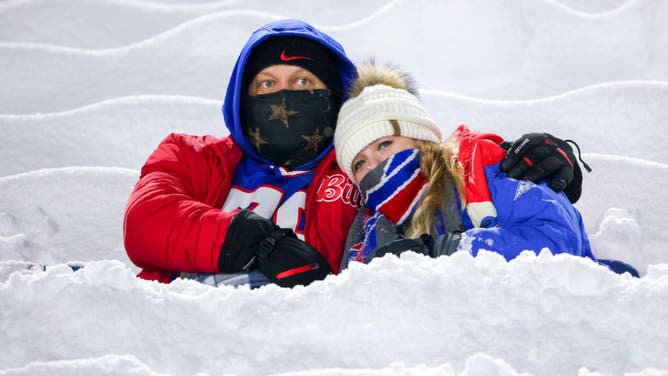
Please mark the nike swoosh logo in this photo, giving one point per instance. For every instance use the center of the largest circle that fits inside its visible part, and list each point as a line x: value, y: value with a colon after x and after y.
x: 290, y: 58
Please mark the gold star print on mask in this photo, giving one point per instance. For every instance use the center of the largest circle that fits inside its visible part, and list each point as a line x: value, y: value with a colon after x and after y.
x: 281, y: 113
x: 256, y: 139
x: 312, y: 142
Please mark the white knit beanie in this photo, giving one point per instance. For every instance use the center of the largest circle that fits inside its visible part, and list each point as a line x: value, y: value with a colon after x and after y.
x: 367, y: 117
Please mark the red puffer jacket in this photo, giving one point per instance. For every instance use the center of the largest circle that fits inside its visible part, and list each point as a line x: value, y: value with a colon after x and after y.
x: 173, y: 221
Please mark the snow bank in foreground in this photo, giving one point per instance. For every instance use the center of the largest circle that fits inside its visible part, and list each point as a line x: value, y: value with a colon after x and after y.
x: 417, y: 311
x: 121, y: 365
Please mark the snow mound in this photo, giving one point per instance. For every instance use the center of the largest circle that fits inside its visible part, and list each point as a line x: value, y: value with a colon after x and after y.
x: 623, y: 217
x: 569, y: 300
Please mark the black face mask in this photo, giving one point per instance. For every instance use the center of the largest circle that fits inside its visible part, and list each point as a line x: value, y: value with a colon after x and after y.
x: 291, y: 127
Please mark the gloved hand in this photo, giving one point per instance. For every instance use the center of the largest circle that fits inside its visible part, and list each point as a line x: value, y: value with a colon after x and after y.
x: 255, y: 241
x: 399, y: 246
x: 541, y: 156
x: 443, y: 245
x: 446, y: 244
x: 288, y: 261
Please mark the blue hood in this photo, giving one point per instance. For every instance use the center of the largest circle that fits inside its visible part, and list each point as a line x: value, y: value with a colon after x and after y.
x: 232, y: 103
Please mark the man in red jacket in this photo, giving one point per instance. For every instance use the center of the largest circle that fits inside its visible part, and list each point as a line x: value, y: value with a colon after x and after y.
x: 267, y: 203
x: 270, y: 196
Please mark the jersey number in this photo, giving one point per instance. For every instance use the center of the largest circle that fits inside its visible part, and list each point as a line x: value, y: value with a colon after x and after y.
x: 265, y: 200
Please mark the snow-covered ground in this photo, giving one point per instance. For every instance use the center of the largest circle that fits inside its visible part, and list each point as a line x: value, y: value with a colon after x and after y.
x: 90, y: 87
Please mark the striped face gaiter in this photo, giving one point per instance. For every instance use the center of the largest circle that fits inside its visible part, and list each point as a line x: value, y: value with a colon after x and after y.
x: 395, y: 187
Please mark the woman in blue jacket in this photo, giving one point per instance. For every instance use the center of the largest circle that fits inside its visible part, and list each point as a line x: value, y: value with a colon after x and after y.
x: 437, y: 197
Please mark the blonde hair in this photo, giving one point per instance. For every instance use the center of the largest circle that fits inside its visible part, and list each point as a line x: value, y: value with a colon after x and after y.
x: 438, y: 164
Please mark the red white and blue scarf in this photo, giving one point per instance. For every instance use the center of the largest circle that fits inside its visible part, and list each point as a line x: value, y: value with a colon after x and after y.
x: 392, y: 192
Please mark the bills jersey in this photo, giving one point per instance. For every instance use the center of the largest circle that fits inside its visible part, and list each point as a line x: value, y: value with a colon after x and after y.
x: 272, y: 192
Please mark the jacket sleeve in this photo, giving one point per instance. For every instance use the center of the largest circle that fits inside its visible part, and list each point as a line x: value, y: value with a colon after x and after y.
x: 530, y: 217
x: 172, y: 220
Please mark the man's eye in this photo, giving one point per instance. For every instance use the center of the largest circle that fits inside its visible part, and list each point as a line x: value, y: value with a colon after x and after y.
x: 266, y: 84
x: 357, y: 165
x: 303, y: 81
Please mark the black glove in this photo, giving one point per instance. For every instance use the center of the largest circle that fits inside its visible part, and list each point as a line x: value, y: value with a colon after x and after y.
x: 255, y: 241
x: 444, y: 245
x: 541, y: 156
x: 246, y: 232
x: 288, y: 261
x: 399, y: 246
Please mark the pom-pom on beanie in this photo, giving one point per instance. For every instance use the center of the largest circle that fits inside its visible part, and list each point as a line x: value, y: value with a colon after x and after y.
x: 383, y: 103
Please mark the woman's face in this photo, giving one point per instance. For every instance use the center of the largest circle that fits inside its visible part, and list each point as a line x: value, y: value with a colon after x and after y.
x: 284, y: 77
x: 377, y: 152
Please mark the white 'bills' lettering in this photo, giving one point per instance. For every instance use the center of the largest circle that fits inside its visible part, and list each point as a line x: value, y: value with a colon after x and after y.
x: 338, y: 187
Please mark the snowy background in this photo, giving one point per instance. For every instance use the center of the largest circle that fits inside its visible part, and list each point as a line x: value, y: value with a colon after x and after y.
x: 88, y: 88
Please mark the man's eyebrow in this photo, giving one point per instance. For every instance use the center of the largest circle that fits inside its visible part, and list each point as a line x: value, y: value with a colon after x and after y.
x: 303, y: 70
x: 264, y: 75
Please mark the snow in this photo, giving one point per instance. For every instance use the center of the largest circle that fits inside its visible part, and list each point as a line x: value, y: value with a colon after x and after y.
x: 89, y: 88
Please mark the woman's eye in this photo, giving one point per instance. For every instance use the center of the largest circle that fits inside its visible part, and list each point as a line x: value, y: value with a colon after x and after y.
x: 384, y: 144
x: 357, y: 165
